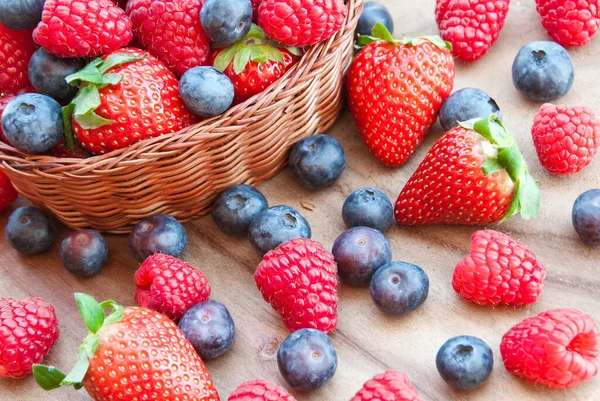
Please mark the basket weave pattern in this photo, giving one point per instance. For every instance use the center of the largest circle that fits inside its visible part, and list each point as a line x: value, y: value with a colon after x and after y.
x: 180, y: 174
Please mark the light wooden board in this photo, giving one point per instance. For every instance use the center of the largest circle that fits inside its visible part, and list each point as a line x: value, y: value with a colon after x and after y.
x: 367, y: 342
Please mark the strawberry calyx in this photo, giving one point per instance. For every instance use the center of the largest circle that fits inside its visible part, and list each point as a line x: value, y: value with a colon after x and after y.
x: 92, y: 313
x: 380, y: 32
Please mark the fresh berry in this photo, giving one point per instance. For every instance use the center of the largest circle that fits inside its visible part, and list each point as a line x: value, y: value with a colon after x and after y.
x: 566, y: 138
x: 48, y: 74
x: 372, y: 14
x: 558, y: 348
x: 226, y: 21
x: 84, y: 252
x: 301, y: 23
x: 276, y: 225
x: 171, y: 31
x: 307, y: 359
x: 463, y: 180
x: 28, y: 329
x: 466, y: 104
x: 569, y: 23
x: 21, y: 14
x: 158, y: 233
x: 359, y: 252
x: 317, y: 161
x: 260, y: 390
x: 5, y: 98
x: 206, y: 91
x: 7, y: 192
x: 61, y: 150
x: 399, y: 288
x: 16, y: 48
x: 543, y: 71
x: 29, y: 230
x: 368, y: 207
x: 299, y: 280
x: 471, y: 27
x: 237, y: 207
x: 77, y: 28
x: 465, y: 362
x: 210, y: 329
x: 586, y: 216
x: 388, y: 386
x: 395, y: 91
x: 169, y: 285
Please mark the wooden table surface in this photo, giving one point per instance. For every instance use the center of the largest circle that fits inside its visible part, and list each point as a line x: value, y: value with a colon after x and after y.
x: 367, y: 342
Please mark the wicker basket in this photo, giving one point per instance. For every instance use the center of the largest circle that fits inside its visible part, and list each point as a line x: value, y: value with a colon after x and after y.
x: 180, y: 174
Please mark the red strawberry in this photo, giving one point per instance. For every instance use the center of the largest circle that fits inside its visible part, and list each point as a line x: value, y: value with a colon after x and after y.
x: 260, y: 390
x: 566, y: 138
x: 474, y: 174
x: 557, y: 348
x: 570, y: 23
x: 299, y: 280
x: 301, y: 23
x: 396, y: 89
x: 132, y: 354
x: 78, y: 28
x: 8, y: 195
x: 28, y: 330
x: 388, y: 386
x: 5, y: 98
x: 266, y: 62
x: 16, y: 49
x: 471, y: 26
x: 171, y: 30
x: 499, y: 270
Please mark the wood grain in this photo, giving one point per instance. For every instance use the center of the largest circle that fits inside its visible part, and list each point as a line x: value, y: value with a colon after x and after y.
x: 367, y: 342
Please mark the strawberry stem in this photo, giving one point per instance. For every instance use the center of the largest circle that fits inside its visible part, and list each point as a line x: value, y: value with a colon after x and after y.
x: 381, y: 33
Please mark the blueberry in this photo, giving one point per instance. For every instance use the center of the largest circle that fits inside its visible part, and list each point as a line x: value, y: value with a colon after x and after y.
x: 210, y: 329
x: 157, y: 234
x: 276, y: 225
x: 237, y: 207
x: 29, y: 230
x: 307, y: 359
x: 226, y: 21
x: 466, y: 104
x: 368, y: 207
x: 359, y: 252
x: 21, y: 14
x: 465, y: 362
x: 206, y: 91
x: 586, y: 216
x: 317, y: 161
x: 33, y: 123
x: 47, y: 74
x: 543, y: 71
x: 399, y: 288
x: 84, y: 252
x: 373, y: 13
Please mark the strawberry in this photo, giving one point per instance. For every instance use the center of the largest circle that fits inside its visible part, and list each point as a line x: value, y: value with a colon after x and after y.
x: 254, y: 63
x: 474, y: 174
x: 388, y: 386
x: 8, y: 194
x: 569, y: 23
x: 132, y: 354
x: 16, y: 49
x: 395, y: 91
x: 260, y: 390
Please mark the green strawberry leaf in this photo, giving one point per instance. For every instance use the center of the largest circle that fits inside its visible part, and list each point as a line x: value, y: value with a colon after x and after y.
x: 116, y: 59
x: 91, y: 120
x: 67, y: 115
x: 89, y: 74
x: 111, y: 79
x: 78, y: 372
x: 116, y: 313
x: 86, y: 102
x: 511, y: 159
x: 241, y: 59
x: 529, y: 196
x: 381, y: 32
x: 491, y: 166
x: 48, y: 377
x: 294, y: 50
x: 224, y: 58
x: 91, y: 312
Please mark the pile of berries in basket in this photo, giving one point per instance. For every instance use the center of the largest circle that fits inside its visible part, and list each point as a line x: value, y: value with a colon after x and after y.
x: 84, y: 92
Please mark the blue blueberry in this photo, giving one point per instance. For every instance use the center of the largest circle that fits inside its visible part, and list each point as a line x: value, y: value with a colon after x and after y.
x: 206, y: 91
x: 317, y: 161
x: 399, y: 288
x: 586, y: 216
x: 29, y: 230
x: 47, y: 74
x: 237, y: 207
x: 359, y: 252
x: 21, y: 14
x: 84, y: 252
x: 466, y: 104
x: 307, y: 359
x: 543, y: 71
x: 33, y: 123
x: 373, y: 13
x: 368, y: 207
x: 159, y: 233
x: 210, y: 329
x: 226, y: 21
x: 276, y: 225
x: 465, y: 362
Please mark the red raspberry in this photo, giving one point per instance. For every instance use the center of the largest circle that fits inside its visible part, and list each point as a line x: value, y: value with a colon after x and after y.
x: 28, y: 330
x: 301, y: 22
x: 569, y: 22
x: 77, y: 28
x: 8, y: 194
x: 388, y: 386
x: 169, y: 285
x: 557, y: 348
x: 299, y: 280
x: 16, y: 49
x: 566, y: 138
x: 260, y: 390
x: 471, y: 26
x: 171, y: 30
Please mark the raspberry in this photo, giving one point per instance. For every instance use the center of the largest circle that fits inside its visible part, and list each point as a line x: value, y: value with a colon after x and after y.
x: 569, y: 22
x: 16, y: 49
x: 28, y: 329
x: 557, y: 348
x: 388, y: 386
x: 169, y: 285
x: 299, y: 280
x: 260, y: 390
